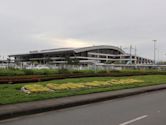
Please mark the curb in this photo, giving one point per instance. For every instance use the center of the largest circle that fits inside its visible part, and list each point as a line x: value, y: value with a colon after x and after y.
x: 28, y: 108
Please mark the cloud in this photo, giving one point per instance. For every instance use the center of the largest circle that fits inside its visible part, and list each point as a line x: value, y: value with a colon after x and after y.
x: 41, y: 24
x: 69, y: 42
x: 64, y: 42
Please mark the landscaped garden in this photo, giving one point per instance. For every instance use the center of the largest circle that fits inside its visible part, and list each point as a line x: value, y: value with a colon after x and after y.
x: 24, y: 92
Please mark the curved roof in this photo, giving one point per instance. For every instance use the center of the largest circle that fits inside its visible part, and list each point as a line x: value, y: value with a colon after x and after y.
x: 98, y: 47
x: 76, y: 50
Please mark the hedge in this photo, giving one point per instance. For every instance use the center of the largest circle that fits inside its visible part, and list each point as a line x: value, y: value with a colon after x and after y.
x: 37, y: 78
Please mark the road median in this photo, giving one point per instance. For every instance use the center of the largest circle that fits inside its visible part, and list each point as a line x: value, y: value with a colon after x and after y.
x: 21, y: 109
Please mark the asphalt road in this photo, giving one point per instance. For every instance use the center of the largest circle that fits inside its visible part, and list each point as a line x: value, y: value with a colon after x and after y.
x: 144, y: 109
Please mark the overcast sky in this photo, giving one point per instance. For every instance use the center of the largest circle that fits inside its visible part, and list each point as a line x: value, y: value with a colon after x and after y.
x: 42, y: 24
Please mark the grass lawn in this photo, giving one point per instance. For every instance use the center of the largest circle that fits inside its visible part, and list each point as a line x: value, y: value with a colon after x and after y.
x: 10, y: 93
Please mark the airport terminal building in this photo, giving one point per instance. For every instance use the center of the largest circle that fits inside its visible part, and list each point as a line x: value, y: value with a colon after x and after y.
x: 102, y: 54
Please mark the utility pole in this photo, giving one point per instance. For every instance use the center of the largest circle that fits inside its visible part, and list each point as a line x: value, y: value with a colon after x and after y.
x: 154, y: 51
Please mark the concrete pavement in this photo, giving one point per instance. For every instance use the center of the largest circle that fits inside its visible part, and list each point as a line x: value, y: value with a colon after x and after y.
x: 143, y: 109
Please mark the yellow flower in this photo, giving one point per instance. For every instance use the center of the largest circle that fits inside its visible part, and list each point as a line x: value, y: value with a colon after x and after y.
x: 35, y: 88
x: 126, y: 81
x: 67, y: 86
x: 54, y: 86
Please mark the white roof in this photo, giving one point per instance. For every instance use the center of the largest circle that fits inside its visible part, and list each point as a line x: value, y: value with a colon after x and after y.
x: 76, y: 50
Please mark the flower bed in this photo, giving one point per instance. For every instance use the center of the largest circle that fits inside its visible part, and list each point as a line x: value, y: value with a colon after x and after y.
x: 65, y: 86
x: 126, y: 81
x: 35, y: 88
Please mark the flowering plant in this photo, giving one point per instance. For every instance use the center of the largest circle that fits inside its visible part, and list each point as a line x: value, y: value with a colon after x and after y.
x: 34, y: 88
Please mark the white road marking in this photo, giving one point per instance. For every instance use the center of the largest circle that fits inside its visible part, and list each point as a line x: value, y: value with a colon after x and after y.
x: 134, y: 120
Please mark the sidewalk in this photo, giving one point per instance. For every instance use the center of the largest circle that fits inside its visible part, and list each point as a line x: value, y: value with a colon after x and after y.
x: 15, y: 110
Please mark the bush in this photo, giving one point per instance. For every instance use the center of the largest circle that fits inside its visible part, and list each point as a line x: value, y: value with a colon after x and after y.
x: 64, y: 71
x: 18, y: 72
x: 28, y: 72
x: 87, y: 71
x: 11, y: 72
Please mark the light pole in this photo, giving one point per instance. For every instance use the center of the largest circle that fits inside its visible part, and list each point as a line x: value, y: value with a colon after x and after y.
x: 158, y: 55
x: 154, y: 51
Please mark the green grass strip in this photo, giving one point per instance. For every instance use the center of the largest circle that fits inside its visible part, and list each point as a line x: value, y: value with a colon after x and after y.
x: 10, y: 93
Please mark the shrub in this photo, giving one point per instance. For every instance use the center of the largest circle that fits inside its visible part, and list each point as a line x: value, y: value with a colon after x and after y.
x: 28, y: 71
x: 11, y: 72
x: 64, y: 71
x: 87, y: 71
